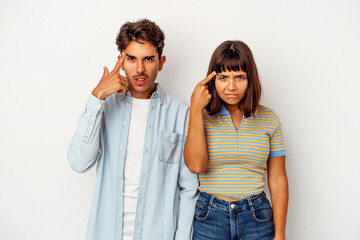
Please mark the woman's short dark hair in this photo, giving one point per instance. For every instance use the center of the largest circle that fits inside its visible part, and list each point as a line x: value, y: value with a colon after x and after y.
x: 142, y: 30
x: 235, y: 56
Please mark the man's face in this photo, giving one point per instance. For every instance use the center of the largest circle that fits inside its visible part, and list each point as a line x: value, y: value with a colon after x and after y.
x: 141, y: 66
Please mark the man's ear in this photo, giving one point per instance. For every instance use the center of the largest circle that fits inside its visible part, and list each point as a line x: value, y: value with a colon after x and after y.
x: 162, y: 61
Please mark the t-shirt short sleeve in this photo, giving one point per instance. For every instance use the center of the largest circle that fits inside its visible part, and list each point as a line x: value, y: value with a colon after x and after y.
x: 277, y: 145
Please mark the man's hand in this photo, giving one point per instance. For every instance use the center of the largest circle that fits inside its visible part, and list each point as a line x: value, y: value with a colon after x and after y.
x: 201, y: 96
x: 111, y: 82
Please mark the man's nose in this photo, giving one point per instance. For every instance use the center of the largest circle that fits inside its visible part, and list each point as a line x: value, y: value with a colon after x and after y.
x: 140, y: 67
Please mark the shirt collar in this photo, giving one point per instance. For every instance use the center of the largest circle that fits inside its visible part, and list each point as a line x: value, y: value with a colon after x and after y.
x: 224, y: 112
x: 159, y: 93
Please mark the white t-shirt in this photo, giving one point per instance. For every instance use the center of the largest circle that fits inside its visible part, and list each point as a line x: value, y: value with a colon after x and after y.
x: 133, y: 163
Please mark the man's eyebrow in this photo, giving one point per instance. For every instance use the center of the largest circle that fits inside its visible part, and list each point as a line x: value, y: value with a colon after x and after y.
x: 150, y: 56
x: 130, y: 56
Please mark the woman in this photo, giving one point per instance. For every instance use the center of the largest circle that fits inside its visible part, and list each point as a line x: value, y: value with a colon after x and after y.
x: 232, y: 142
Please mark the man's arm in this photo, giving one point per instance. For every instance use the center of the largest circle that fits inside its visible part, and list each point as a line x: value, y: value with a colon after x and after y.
x: 188, y: 183
x: 85, y: 147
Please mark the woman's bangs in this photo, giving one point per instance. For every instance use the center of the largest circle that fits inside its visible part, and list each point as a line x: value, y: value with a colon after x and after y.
x: 230, y: 61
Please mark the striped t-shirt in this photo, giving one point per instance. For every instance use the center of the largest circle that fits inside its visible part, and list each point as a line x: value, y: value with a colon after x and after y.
x: 238, y: 158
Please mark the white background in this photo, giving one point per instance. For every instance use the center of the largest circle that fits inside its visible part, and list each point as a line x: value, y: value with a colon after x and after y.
x: 51, y: 57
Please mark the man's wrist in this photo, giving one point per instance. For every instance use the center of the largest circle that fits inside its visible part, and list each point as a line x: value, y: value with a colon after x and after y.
x: 97, y: 94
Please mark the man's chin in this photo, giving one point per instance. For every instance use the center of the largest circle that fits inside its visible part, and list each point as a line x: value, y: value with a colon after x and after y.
x: 141, y: 92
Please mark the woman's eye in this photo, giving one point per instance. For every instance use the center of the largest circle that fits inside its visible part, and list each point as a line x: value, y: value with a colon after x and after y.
x: 240, y: 77
x: 222, y: 77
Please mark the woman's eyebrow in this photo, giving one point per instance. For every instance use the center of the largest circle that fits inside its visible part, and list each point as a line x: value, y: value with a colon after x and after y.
x: 227, y: 75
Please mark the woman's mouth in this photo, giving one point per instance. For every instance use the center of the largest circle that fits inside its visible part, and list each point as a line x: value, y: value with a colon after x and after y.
x: 232, y: 95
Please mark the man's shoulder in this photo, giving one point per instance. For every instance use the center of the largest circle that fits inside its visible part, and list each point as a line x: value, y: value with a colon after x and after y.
x: 175, y: 102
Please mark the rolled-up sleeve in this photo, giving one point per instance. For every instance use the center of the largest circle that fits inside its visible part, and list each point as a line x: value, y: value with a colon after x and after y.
x: 85, y: 147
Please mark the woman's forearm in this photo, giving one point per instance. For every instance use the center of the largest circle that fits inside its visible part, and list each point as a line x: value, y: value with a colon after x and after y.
x: 279, y: 198
x: 195, y: 151
x: 278, y: 186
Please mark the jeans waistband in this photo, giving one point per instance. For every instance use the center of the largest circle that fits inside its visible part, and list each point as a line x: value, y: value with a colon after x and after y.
x: 233, y: 205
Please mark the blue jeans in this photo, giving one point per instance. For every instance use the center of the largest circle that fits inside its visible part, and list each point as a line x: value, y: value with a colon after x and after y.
x: 246, y: 219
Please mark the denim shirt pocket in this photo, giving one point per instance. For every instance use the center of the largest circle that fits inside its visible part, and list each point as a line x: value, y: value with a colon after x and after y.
x: 170, y: 147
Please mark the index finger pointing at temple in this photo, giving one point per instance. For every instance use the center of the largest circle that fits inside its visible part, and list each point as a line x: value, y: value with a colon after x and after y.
x: 119, y: 63
x: 208, y: 78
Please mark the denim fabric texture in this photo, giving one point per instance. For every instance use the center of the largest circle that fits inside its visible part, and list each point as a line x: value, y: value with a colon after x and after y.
x: 246, y: 219
x: 167, y: 190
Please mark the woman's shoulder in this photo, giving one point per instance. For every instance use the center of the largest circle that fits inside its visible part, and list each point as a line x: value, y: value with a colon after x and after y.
x: 265, y: 112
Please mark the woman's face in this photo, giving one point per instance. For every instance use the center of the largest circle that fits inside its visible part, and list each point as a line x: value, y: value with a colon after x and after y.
x: 231, y: 86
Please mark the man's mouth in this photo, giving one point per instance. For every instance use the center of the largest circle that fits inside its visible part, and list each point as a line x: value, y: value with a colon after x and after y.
x: 140, y: 80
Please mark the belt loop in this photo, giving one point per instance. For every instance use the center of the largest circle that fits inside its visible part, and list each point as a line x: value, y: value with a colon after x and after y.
x: 250, y: 204
x: 211, y: 201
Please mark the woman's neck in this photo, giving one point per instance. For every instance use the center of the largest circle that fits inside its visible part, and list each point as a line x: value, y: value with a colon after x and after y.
x: 234, y: 109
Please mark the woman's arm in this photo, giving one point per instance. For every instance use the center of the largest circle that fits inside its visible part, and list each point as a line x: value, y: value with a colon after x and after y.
x: 278, y: 185
x: 195, y: 150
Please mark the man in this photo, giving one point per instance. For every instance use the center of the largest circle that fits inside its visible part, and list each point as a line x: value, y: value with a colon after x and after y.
x: 134, y: 131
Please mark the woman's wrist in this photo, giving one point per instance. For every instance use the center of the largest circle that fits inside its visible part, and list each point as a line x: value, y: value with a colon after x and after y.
x: 279, y: 236
x: 195, y: 109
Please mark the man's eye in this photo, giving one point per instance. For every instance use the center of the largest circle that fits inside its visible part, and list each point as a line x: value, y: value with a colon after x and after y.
x: 130, y: 58
x: 149, y: 59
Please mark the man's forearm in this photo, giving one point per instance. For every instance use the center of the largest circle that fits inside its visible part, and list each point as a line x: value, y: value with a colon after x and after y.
x: 84, y: 148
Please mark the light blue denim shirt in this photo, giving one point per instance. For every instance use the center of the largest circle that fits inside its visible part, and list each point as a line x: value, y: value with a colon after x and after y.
x: 167, y: 190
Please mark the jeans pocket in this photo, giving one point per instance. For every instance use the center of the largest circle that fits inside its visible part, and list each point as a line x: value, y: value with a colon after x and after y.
x: 262, y: 212
x: 202, y: 211
x: 170, y: 147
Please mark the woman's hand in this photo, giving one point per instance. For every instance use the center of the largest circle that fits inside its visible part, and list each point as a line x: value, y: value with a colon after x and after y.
x: 201, y: 96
